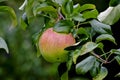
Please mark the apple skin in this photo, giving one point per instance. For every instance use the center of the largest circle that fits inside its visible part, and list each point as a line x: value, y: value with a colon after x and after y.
x: 52, y: 45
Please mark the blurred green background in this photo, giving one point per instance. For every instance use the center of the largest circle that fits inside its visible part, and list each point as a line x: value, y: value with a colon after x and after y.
x: 22, y: 63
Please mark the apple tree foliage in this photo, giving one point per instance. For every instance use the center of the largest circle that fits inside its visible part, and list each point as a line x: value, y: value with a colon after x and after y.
x: 88, y: 26
x: 7, y: 9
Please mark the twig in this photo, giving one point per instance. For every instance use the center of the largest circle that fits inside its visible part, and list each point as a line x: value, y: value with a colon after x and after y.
x: 101, y: 59
x: 60, y: 15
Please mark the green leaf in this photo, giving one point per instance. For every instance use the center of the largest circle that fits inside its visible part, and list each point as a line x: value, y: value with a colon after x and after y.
x: 29, y: 9
x: 118, y: 59
x: 80, y: 78
x: 85, y: 65
x: 95, y: 69
x: 100, y: 27
x: 110, y: 16
x: 23, y: 24
x: 117, y: 75
x: 102, y: 74
x: 87, y: 47
x: 3, y: 45
x: 68, y: 65
x: 64, y: 76
x: 101, y: 47
x: 63, y: 26
x: 46, y: 9
x: 83, y: 34
x: 23, y: 5
x: 105, y: 37
x: 114, y: 2
x: 115, y: 51
x: 69, y: 62
x: 36, y: 41
x: 60, y: 2
x: 67, y: 8
x: 76, y: 9
x: 87, y: 7
x: 90, y: 14
x: 76, y: 55
x: 9, y: 10
x: 78, y: 17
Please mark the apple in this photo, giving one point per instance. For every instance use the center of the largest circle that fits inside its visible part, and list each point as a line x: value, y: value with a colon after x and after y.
x: 52, y: 45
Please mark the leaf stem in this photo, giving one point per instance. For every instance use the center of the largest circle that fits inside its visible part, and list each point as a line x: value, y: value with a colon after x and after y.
x: 60, y: 15
x: 101, y: 59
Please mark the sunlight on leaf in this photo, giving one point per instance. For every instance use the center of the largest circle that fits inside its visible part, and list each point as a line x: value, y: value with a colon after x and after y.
x: 110, y: 16
x: 3, y: 45
x: 23, y: 5
x: 117, y: 75
x: 88, y: 47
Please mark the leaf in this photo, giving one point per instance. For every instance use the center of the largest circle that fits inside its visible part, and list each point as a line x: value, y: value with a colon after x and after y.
x: 60, y: 2
x: 78, y: 17
x: 101, y: 46
x: 76, y: 55
x: 29, y: 9
x: 105, y: 37
x: 9, y: 10
x: 80, y: 78
x: 68, y: 65
x: 87, y: 7
x: 90, y: 14
x: 46, y: 9
x: 117, y: 75
x: 76, y: 9
x: 3, y: 45
x: 100, y: 27
x: 118, y: 59
x: 36, y: 41
x: 102, y: 74
x: 23, y: 5
x: 95, y: 69
x: 23, y: 24
x: 85, y: 65
x: 87, y: 47
x: 110, y: 16
x: 63, y: 26
x: 67, y: 8
x: 115, y: 51
x: 83, y: 34
x: 69, y: 62
x: 64, y: 76
x: 114, y: 2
